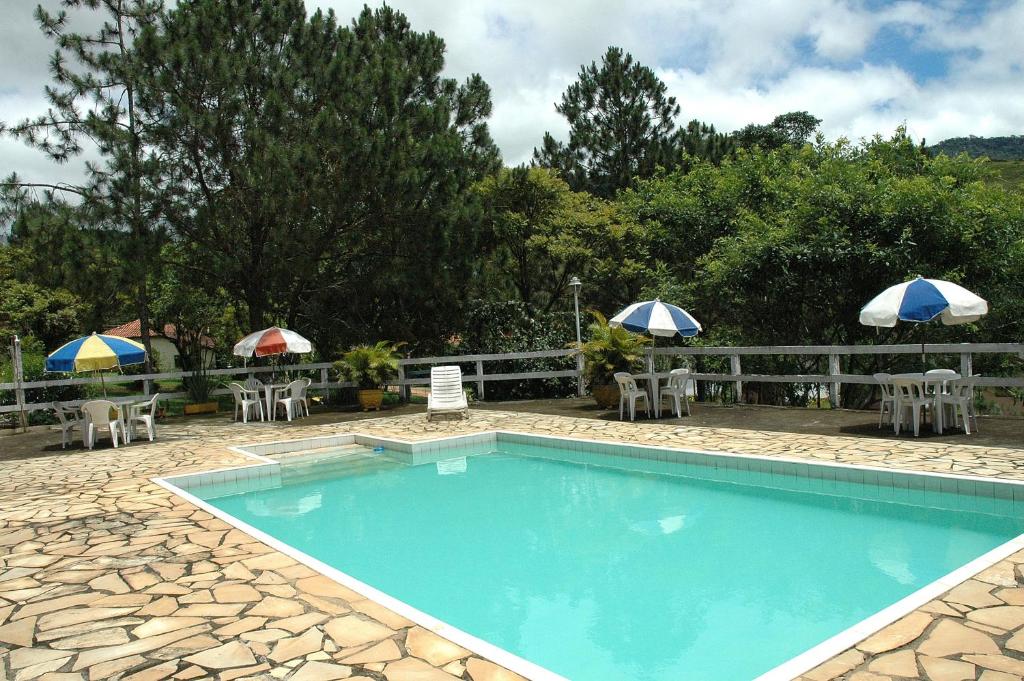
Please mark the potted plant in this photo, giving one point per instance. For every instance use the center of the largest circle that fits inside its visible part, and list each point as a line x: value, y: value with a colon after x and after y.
x: 609, y: 350
x: 370, y: 367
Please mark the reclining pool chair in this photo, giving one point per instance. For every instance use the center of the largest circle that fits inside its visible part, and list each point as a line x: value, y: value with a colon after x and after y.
x: 446, y: 393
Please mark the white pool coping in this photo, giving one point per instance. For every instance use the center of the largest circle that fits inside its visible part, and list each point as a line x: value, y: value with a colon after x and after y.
x: 800, y: 664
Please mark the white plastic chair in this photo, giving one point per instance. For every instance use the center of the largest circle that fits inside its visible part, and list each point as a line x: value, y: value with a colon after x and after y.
x: 959, y: 396
x: 910, y: 396
x: 97, y: 414
x: 68, y: 422
x: 136, y: 415
x: 446, y: 393
x: 888, y: 402
x: 305, y: 399
x: 293, y: 403
x: 243, y: 402
x: 678, y: 380
x: 253, y: 384
x: 629, y: 390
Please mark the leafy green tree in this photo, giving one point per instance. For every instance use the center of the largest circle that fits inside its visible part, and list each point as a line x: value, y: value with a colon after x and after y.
x: 785, y: 246
x: 322, y: 171
x: 621, y: 125
x: 52, y: 316
x: 95, y: 96
x: 793, y: 128
x: 53, y: 245
x: 543, y: 234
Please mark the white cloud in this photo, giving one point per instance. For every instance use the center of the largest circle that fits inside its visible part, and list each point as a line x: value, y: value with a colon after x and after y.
x: 728, y: 63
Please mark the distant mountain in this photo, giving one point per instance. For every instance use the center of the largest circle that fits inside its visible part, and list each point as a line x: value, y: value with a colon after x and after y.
x: 996, y: 148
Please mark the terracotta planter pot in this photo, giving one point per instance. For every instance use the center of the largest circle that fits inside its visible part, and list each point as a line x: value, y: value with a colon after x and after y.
x: 371, y: 399
x: 606, y: 396
x: 201, y: 408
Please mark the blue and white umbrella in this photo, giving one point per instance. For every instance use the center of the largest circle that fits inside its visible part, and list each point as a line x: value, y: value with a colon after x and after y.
x: 657, y: 319
x: 922, y: 300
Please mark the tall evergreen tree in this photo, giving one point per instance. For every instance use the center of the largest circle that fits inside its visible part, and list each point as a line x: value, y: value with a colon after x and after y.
x: 621, y: 125
x: 95, y: 97
x: 701, y: 140
x: 321, y: 170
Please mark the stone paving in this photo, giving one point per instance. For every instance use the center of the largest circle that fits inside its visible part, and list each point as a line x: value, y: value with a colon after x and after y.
x: 105, y: 575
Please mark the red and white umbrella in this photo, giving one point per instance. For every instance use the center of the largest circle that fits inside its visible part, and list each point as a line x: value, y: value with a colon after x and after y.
x: 272, y: 341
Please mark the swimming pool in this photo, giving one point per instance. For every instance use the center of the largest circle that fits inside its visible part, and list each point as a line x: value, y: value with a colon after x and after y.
x: 600, y: 561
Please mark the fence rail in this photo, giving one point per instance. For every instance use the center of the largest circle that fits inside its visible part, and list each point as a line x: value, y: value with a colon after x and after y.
x: 834, y: 378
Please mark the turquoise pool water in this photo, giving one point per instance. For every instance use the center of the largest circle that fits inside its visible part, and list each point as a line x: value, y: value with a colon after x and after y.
x: 600, y: 572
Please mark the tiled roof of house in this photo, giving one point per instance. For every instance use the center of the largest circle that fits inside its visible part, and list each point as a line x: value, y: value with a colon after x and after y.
x: 132, y: 329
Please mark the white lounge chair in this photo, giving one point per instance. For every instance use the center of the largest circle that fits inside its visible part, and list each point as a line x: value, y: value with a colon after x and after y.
x: 446, y: 393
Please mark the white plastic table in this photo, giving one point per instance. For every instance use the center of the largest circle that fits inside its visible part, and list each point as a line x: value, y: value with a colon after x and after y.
x: 270, y: 392
x: 653, y: 382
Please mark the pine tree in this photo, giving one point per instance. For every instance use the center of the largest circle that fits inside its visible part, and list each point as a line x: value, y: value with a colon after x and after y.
x: 95, y: 97
x: 621, y: 125
x: 321, y: 170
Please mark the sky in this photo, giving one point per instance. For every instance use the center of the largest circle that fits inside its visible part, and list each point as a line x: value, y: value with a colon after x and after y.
x: 944, y: 68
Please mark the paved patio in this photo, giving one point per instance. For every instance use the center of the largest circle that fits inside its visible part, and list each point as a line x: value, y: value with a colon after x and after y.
x: 103, y: 574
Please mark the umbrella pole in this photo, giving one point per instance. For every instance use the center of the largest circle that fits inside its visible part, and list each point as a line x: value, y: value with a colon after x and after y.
x: 103, y: 383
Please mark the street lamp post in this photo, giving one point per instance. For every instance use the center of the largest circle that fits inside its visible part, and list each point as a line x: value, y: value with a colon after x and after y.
x: 576, y: 285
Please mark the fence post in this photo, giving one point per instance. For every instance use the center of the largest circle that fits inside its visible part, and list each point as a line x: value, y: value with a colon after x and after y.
x: 580, y: 390
x: 19, y: 378
x: 480, y: 378
x: 147, y: 388
x: 966, y: 364
x: 734, y: 362
x: 833, y: 387
x: 403, y: 389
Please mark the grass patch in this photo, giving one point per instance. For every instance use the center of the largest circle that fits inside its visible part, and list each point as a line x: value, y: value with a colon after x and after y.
x: 1010, y: 174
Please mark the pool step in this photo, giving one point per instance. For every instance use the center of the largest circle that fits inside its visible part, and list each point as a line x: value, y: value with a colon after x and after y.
x: 336, y: 466
x: 323, y: 453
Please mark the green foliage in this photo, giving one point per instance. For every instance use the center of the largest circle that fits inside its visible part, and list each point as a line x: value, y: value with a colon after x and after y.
x: 53, y: 316
x: 542, y: 234
x: 1009, y: 174
x: 370, y: 366
x: 1010, y: 148
x: 701, y: 141
x: 610, y: 349
x: 793, y: 128
x: 496, y: 326
x: 199, y: 315
x: 785, y: 247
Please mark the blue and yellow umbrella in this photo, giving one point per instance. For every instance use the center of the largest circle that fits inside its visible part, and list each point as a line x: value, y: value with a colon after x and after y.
x: 96, y: 353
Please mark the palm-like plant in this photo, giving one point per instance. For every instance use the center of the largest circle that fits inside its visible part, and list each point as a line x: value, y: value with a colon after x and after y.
x: 370, y: 366
x: 609, y: 350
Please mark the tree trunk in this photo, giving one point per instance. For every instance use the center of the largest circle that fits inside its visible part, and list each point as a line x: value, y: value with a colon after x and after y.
x: 142, y: 307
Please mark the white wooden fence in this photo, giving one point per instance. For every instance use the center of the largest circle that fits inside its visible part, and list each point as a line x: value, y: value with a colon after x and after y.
x: 407, y: 369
